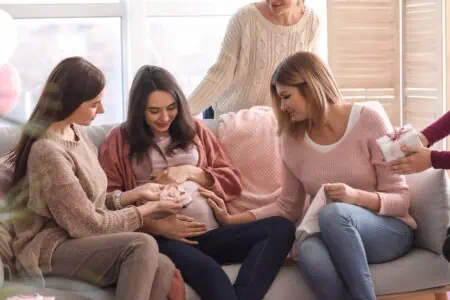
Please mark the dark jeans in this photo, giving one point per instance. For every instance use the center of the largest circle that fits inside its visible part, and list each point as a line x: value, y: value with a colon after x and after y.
x: 261, y: 246
x: 208, y: 113
x: 446, y: 246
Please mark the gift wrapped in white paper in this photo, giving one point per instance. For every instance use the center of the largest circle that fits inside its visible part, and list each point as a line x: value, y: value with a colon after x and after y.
x: 390, y: 144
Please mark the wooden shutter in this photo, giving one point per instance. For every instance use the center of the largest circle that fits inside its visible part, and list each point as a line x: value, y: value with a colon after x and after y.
x: 364, y: 51
x: 423, y: 63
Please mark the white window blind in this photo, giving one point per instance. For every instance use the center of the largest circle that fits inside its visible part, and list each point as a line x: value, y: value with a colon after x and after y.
x: 423, y: 70
x: 364, y: 52
x: 391, y: 51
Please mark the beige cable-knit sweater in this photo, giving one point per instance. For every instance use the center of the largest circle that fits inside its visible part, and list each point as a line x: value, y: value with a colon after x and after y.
x: 67, y: 195
x: 251, y: 50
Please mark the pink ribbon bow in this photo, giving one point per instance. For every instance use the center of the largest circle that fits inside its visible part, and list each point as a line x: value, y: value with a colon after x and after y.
x: 395, y: 136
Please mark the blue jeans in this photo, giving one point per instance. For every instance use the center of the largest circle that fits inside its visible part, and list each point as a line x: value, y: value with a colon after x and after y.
x: 260, y: 246
x: 335, y: 263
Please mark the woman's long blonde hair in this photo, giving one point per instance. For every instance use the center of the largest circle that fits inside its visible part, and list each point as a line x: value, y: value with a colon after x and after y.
x: 315, y: 82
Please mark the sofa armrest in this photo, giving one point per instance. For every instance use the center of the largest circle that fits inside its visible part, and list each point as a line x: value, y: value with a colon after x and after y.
x: 430, y: 207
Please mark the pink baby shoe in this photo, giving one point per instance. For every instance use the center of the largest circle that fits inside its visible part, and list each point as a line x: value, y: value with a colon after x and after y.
x: 175, y: 192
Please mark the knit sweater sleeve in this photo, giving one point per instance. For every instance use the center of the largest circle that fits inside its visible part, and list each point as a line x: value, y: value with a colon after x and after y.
x: 438, y: 130
x: 440, y: 159
x: 314, y: 32
x: 291, y: 201
x: 434, y: 133
x: 391, y: 188
x: 226, y: 177
x: 56, y: 191
x: 221, y: 74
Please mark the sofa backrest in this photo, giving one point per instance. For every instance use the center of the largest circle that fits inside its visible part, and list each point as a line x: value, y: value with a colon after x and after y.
x: 9, y: 136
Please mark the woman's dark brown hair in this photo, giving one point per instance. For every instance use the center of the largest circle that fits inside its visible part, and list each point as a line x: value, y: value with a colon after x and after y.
x: 137, y: 132
x: 73, y: 81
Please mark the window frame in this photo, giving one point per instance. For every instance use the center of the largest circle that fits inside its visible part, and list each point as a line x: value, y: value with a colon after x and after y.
x: 133, y: 15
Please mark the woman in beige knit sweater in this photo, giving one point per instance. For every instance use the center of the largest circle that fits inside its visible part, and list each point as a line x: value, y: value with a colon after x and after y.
x: 259, y: 36
x: 67, y: 230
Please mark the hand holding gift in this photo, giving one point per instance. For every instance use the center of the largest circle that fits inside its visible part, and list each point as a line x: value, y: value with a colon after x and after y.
x: 391, y: 144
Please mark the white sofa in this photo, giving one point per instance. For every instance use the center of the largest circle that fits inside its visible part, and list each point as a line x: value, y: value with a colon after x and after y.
x: 422, y: 268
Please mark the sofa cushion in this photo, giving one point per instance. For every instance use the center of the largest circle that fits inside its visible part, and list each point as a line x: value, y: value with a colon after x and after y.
x: 6, y: 173
x: 430, y: 207
x: 256, y: 156
x: 9, y: 137
x: 6, y: 253
x: 16, y: 288
x: 288, y: 285
x: 2, y: 275
x: 419, y: 269
x: 97, y: 133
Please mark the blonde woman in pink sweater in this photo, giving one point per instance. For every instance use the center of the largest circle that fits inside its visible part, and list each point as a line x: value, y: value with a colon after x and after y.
x: 331, y: 144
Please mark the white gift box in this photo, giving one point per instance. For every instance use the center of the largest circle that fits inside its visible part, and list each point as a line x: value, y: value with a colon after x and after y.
x: 390, y: 144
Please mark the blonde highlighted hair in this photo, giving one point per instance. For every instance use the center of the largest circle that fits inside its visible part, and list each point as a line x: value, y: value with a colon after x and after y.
x: 315, y: 82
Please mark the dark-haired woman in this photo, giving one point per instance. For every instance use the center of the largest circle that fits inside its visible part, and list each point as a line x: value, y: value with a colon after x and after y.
x: 160, y: 142
x: 67, y: 230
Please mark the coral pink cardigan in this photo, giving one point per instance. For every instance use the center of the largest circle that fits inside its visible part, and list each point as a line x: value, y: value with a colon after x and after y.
x: 114, y: 158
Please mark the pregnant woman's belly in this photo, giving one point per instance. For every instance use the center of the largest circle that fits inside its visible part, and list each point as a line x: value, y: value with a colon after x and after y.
x: 199, y: 208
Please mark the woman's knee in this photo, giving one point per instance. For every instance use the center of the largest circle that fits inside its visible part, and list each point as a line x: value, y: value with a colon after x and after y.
x: 144, y: 245
x: 208, y: 266
x: 334, y: 215
x: 281, y: 227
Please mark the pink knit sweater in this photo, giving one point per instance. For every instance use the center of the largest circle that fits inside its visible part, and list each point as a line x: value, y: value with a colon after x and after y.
x: 356, y: 160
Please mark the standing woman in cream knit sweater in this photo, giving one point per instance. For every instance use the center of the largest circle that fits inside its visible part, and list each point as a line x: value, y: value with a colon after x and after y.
x: 67, y: 229
x: 259, y: 36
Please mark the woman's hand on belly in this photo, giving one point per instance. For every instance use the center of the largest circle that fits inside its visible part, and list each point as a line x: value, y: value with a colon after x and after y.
x: 217, y: 205
x: 178, y: 174
x: 175, y: 227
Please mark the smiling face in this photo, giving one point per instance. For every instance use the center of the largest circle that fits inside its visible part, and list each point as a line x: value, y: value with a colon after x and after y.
x: 278, y: 7
x: 161, y: 111
x: 88, y: 110
x: 293, y: 102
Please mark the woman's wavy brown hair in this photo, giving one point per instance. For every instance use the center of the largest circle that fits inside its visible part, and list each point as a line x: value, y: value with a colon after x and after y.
x: 314, y: 81
x: 73, y: 81
x: 137, y: 132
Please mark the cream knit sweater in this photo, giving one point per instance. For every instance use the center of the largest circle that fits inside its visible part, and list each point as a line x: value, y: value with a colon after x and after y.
x: 251, y: 50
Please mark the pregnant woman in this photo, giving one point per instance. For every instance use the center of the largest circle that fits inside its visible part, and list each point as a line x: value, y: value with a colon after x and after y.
x: 161, y: 143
